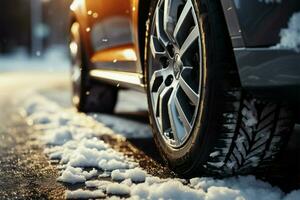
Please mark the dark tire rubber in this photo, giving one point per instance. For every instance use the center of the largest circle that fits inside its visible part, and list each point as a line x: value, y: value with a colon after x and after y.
x: 234, y: 133
x: 93, y: 96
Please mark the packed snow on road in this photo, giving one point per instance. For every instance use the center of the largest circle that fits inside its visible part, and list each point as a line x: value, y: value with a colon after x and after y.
x: 73, y: 140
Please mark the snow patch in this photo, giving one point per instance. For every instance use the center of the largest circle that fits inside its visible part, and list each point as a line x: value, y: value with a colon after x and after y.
x: 76, y: 175
x: 84, y: 194
x: 136, y: 175
x: 118, y: 189
x: 73, y: 139
x: 290, y: 36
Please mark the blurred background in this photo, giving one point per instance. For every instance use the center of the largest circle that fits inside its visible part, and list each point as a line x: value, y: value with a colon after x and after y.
x: 34, y: 34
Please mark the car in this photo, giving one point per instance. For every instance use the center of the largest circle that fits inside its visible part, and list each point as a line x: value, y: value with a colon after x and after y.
x: 222, y: 78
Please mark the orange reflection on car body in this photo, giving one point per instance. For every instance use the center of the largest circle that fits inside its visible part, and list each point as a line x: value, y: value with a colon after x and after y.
x: 117, y: 54
x: 109, y: 30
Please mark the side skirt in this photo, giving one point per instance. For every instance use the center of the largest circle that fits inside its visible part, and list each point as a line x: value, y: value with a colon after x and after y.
x: 119, y: 79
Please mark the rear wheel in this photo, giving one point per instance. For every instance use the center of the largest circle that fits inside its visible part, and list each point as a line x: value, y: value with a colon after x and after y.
x: 88, y: 96
x: 202, y: 121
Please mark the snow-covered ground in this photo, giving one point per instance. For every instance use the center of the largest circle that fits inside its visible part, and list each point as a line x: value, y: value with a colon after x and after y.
x: 53, y: 60
x: 74, y: 140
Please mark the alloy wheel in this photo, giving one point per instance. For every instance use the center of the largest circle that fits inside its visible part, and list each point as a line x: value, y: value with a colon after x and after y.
x: 175, y: 69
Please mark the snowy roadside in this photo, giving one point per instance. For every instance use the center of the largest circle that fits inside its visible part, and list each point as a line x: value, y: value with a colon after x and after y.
x: 53, y: 60
x: 72, y: 139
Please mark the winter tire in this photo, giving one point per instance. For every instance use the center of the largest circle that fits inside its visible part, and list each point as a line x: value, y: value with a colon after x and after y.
x: 203, y: 122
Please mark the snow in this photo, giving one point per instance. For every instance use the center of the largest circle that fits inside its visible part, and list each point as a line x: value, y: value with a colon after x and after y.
x: 290, y: 36
x: 76, y: 175
x: 97, y: 184
x: 215, y: 154
x: 54, y: 59
x: 112, y: 164
x: 170, y: 189
x: 118, y: 189
x: 293, y: 195
x: 75, y: 141
x: 136, y: 175
x: 249, y: 187
x: 59, y: 137
x: 127, y: 128
x: 84, y: 194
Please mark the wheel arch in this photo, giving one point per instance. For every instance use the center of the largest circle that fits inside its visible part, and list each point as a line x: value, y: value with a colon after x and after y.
x: 229, y: 14
x: 144, y: 9
x: 75, y: 16
x: 232, y: 23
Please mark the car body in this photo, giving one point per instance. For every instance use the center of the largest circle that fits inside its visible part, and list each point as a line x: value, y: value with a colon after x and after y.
x: 248, y: 76
x: 120, y: 49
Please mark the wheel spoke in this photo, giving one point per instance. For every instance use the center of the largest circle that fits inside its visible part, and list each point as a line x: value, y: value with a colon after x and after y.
x: 157, y: 86
x: 188, y: 90
x: 164, y: 97
x: 182, y: 17
x: 194, y: 34
x: 156, y: 48
x: 170, y: 16
x: 182, y: 115
x: 157, y: 97
x: 161, y: 35
x: 177, y: 130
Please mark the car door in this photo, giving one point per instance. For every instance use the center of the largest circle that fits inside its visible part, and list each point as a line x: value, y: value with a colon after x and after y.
x: 112, y: 26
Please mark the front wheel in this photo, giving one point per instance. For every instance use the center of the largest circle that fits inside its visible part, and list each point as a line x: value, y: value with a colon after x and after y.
x: 203, y: 122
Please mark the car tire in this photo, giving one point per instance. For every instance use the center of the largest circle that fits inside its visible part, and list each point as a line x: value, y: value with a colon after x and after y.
x: 88, y: 95
x: 232, y: 132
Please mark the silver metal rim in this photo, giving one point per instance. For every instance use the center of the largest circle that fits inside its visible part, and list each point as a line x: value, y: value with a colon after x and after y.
x: 175, y: 69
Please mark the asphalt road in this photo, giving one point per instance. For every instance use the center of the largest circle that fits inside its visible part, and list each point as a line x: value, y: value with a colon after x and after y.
x: 26, y: 173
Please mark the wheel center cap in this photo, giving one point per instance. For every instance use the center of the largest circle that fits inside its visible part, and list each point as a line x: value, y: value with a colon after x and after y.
x: 177, y: 66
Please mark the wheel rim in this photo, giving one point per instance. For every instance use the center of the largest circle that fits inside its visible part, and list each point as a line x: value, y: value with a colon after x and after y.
x: 175, y: 69
x: 76, y: 62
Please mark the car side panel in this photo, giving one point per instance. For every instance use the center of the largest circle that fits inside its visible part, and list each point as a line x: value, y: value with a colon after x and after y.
x: 258, y: 23
x: 112, y: 33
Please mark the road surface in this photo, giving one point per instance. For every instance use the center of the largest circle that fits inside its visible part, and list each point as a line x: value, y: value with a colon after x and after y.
x: 27, y: 173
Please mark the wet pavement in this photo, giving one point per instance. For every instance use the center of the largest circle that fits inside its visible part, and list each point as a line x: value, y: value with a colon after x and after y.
x: 26, y: 173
